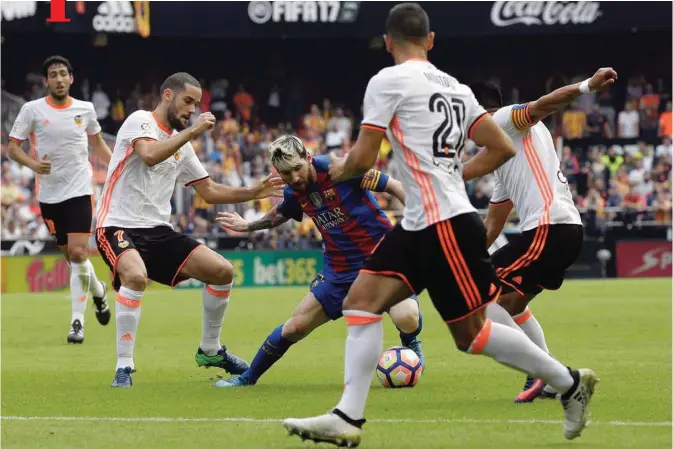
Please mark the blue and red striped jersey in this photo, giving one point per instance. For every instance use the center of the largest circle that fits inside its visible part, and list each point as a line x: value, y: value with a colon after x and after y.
x: 346, y: 214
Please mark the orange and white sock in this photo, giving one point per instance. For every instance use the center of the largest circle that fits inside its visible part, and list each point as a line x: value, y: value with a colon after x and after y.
x: 531, y: 327
x: 514, y: 349
x: 215, y: 302
x: 363, y: 348
x: 127, y: 314
x: 80, y: 280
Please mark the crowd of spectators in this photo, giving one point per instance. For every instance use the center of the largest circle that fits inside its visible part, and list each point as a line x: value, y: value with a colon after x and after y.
x: 617, y: 162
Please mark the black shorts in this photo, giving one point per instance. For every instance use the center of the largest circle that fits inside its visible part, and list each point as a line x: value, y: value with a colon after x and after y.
x: 72, y: 216
x: 448, y: 258
x: 538, y: 260
x: 163, y: 251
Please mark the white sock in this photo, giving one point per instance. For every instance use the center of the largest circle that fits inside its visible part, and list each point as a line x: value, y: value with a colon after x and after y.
x: 515, y: 350
x: 531, y: 327
x: 496, y: 313
x: 363, y: 348
x: 79, y: 289
x: 215, y: 301
x: 127, y: 312
x: 95, y: 287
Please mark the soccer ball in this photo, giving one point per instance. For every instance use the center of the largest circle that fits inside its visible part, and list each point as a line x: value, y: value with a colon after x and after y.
x: 399, y: 367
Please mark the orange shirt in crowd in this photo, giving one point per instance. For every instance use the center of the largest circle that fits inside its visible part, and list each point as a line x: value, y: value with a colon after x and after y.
x: 574, y: 123
x: 665, y: 125
x: 244, y: 103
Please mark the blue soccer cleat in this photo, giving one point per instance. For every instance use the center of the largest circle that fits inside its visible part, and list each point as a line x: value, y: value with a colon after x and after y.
x: 415, y: 345
x: 235, y: 381
x: 228, y: 362
x: 123, y: 378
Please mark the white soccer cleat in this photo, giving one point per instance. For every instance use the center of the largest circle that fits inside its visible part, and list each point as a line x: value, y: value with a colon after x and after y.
x: 329, y: 428
x: 577, y: 405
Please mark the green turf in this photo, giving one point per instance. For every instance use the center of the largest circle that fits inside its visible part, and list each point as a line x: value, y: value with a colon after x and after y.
x: 621, y: 329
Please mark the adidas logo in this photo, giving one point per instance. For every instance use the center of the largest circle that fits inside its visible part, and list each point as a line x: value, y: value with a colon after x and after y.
x: 115, y: 17
x: 126, y: 337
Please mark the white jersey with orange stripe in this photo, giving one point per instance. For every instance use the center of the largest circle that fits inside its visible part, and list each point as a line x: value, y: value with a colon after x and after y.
x: 427, y: 115
x: 136, y: 195
x: 532, y: 179
x: 59, y: 132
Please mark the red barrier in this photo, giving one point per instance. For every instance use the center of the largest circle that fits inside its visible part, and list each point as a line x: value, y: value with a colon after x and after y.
x: 644, y: 259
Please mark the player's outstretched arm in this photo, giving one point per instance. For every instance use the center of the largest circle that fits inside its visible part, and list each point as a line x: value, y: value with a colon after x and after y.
x: 153, y: 152
x: 100, y: 148
x: 394, y: 188
x: 213, y: 193
x: 498, y: 149
x: 234, y: 222
x: 16, y: 153
x: 495, y: 220
x: 360, y: 158
x: 555, y: 101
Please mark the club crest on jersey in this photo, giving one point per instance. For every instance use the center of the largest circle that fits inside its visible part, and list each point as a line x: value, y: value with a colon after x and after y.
x: 329, y: 194
x: 78, y: 120
x: 315, y: 199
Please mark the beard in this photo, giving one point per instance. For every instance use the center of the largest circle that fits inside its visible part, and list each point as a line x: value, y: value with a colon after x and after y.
x: 59, y: 97
x: 173, y: 119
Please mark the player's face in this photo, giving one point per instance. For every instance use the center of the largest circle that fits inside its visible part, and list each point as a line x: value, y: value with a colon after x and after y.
x: 297, y: 174
x: 182, y: 107
x: 58, y: 81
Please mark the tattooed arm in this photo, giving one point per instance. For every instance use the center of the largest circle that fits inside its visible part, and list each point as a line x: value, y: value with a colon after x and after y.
x: 234, y: 222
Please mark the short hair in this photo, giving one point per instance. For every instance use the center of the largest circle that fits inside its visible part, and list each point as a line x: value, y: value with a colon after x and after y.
x: 487, y: 94
x: 286, y: 149
x: 177, y: 81
x: 408, y: 22
x: 55, y: 59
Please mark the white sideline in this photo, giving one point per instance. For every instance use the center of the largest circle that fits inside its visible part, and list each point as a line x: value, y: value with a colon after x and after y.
x: 383, y: 421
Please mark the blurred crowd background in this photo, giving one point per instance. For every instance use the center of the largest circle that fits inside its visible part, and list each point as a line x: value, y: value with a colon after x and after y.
x: 615, y: 147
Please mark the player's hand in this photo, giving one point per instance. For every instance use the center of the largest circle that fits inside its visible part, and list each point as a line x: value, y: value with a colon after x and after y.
x: 269, y: 186
x: 42, y: 166
x: 602, y: 79
x: 231, y: 221
x: 337, y: 167
x: 204, y: 122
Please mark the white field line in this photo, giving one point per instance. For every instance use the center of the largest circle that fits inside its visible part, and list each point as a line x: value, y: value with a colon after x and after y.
x: 276, y: 420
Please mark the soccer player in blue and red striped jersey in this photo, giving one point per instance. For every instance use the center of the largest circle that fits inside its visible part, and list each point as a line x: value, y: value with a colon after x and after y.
x: 351, y: 223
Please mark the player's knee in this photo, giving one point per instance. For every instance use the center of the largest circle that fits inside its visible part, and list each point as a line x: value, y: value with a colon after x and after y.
x: 223, y: 272
x: 77, y: 253
x: 355, y: 301
x: 407, y: 320
x: 295, y: 329
x: 135, y: 280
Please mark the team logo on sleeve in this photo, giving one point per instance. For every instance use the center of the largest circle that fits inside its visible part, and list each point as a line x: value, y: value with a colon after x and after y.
x: 315, y: 199
x: 145, y: 126
x: 78, y: 120
x: 176, y: 155
x: 329, y: 194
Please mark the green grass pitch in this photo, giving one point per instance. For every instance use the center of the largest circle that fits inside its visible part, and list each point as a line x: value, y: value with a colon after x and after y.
x: 58, y: 396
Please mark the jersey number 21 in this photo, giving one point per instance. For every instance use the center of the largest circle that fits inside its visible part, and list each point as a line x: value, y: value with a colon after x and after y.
x: 453, y: 110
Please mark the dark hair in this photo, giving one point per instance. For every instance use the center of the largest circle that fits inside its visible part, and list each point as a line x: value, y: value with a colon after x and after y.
x: 407, y: 21
x: 56, y: 59
x: 487, y: 94
x: 176, y: 82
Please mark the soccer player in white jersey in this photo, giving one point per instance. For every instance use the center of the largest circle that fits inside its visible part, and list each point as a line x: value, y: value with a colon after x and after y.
x: 532, y: 182
x: 133, y: 232
x: 60, y: 129
x: 441, y: 242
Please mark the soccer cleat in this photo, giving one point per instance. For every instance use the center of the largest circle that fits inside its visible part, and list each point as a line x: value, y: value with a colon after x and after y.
x: 532, y: 390
x: 76, y: 334
x: 235, y: 381
x: 335, y: 428
x: 123, y: 378
x: 101, y: 307
x: 415, y: 345
x: 228, y: 362
x: 576, y: 404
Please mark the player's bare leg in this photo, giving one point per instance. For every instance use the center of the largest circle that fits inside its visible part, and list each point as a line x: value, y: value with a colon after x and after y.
x: 367, y: 299
x: 133, y: 276
x: 475, y: 334
x: 217, y: 273
x: 408, y: 319
x: 82, y: 281
x: 308, y: 316
x: 516, y: 307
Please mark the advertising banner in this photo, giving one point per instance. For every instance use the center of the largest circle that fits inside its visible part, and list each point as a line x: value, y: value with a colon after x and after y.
x: 644, y: 258
x: 335, y: 19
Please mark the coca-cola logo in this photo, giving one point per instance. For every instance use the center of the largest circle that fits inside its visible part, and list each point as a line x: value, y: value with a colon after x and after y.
x: 40, y: 280
x: 504, y: 14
